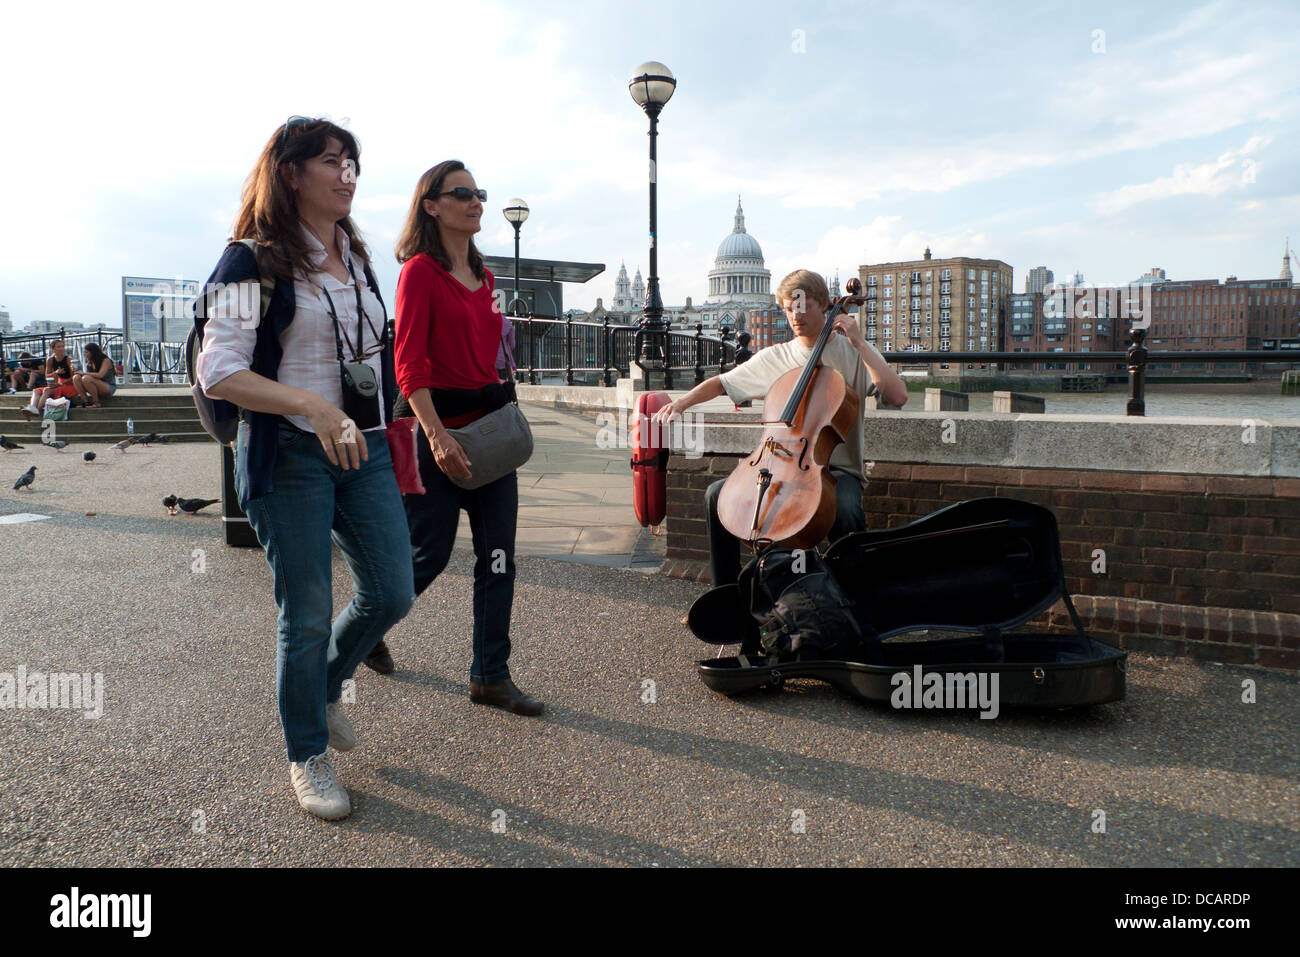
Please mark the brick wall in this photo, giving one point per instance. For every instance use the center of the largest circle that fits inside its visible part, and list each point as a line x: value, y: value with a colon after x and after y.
x: 1205, y: 567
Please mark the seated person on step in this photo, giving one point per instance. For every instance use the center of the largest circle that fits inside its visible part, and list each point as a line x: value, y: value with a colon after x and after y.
x: 27, y: 374
x: 847, y: 352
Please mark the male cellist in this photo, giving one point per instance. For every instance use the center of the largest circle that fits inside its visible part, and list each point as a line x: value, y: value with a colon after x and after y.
x: 804, y: 297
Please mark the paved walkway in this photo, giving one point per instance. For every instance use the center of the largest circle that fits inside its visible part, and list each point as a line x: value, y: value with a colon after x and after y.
x: 575, y: 498
x: 635, y: 761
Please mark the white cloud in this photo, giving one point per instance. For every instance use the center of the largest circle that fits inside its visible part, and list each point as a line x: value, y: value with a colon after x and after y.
x: 1234, y: 169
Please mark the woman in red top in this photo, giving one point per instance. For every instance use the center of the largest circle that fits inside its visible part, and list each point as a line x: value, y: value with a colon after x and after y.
x: 448, y: 336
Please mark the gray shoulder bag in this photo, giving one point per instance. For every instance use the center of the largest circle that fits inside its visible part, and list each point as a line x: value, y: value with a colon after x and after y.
x: 496, y: 444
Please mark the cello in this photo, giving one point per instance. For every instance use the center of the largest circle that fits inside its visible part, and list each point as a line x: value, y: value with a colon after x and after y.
x: 784, y: 493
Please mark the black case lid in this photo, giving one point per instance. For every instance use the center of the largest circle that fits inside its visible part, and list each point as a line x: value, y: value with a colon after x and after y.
x: 976, y: 566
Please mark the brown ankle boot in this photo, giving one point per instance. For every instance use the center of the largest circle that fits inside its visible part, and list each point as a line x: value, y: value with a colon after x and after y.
x: 504, y: 694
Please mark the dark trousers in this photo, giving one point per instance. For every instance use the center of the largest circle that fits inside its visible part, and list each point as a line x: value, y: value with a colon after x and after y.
x: 493, y: 512
x: 724, y: 548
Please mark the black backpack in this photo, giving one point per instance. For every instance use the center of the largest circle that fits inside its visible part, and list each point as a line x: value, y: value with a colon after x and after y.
x: 802, y: 612
x: 220, y: 419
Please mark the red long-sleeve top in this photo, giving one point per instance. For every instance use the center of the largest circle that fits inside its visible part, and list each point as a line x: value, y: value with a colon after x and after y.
x: 447, y: 337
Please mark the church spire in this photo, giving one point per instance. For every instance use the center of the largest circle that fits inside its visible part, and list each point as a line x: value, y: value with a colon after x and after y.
x: 740, y: 218
x: 1286, y: 261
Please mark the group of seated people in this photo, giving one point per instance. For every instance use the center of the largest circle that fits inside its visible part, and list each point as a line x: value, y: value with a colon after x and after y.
x: 55, y: 377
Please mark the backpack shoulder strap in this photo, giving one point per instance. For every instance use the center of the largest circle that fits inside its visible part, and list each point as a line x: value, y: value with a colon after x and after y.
x: 265, y: 275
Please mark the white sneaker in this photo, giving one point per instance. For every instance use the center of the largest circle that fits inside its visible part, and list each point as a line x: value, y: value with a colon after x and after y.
x: 318, y: 789
x: 32, y: 410
x: 342, y: 736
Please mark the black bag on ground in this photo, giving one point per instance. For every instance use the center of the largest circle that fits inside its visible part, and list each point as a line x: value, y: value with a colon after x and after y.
x: 802, y: 612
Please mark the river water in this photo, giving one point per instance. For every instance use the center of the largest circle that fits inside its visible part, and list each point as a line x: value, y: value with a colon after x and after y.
x: 1234, y: 401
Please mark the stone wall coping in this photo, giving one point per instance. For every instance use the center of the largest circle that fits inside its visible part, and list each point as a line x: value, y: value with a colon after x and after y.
x: 1155, y: 444
x: 1239, y: 445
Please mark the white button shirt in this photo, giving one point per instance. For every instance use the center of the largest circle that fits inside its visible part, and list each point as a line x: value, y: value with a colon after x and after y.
x: 310, y: 356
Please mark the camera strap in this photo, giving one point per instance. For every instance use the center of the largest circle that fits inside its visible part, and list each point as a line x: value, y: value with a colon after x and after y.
x: 361, y: 316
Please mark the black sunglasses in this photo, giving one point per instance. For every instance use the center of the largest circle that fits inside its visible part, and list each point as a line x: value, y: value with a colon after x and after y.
x: 293, y: 123
x: 465, y: 194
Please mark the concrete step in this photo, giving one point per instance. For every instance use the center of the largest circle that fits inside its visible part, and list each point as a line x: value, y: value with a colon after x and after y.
x: 78, y: 425
x: 101, y: 441
x: 114, y: 413
x: 123, y: 399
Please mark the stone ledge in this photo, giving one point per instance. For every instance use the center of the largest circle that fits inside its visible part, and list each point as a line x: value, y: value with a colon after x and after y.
x: 1196, y: 447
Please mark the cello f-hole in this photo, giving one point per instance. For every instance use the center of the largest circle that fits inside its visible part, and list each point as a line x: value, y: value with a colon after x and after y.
x: 803, y: 456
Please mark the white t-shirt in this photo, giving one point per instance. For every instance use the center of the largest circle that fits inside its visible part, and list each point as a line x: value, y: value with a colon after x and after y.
x: 753, y: 379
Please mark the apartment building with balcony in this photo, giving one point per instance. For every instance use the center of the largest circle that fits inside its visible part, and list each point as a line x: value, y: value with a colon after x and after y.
x: 958, y: 304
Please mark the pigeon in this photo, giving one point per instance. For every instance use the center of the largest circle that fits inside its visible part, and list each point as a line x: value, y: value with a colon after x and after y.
x: 88, y: 456
x: 25, y: 480
x: 58, y: 444
x: 192, y: 505
x: 7, y: 445
x: 151, y: 437
x: 170, y: 502
x: 126, y: 443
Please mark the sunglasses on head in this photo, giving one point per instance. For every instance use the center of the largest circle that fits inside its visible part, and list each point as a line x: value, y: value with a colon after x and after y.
x: 293, y: 123
x: 465, y: 194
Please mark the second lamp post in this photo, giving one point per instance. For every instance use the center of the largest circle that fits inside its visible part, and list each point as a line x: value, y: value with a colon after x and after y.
x: 516, y: 212
x: 652, y: 87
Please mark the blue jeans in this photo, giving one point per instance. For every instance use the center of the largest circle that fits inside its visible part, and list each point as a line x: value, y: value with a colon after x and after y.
x: 493, y: 511
x: 724, y: 548
x: 359, y: 509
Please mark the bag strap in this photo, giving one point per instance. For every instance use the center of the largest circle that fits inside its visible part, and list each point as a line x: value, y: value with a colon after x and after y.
x: 265, y: 276
x: 507, y: 351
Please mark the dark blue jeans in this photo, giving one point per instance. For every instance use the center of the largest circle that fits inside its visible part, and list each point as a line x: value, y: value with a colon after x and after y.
x: 493, y: 513
x: 724, y: 548
x: 313, y: 503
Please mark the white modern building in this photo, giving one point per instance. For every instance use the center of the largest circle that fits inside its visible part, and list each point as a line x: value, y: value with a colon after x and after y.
x: 46, y: 327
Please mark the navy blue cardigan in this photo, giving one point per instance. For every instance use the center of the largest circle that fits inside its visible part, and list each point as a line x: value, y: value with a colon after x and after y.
x: 238, y: 264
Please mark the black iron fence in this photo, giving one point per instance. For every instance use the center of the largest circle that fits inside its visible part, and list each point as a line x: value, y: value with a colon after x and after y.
x: 600, y: 353
x: 38, y: 345
x: 1136, y: 360
x: 606, y: 351
x: 159, y: 362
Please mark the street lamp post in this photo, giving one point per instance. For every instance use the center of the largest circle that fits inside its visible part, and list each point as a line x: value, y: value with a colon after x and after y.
x: 516, y: 212
x: 652, y: 87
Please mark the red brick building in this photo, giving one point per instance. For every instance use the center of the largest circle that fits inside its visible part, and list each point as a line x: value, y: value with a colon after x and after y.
x: 1067, y: 319
x: 1206, y: 315
x: 767, y: 327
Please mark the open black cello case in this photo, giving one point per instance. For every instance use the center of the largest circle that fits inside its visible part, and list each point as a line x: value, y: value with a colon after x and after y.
x: 980, y: 569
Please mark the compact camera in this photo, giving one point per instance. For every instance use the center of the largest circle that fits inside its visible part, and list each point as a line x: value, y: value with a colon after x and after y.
x: 361, y: 395
x: 361, y: 378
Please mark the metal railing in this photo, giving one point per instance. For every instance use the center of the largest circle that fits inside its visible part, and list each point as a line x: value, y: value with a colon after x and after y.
x: 157, y: 362
x: 38, y: 344
x: 606, y: 351
x: 1136, y: 360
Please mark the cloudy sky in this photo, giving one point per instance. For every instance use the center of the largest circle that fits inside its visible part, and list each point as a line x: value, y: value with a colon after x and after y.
x: 1105, y: 138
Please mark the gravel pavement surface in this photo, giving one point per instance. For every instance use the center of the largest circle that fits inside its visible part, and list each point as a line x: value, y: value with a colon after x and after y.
x: 186, y: 766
